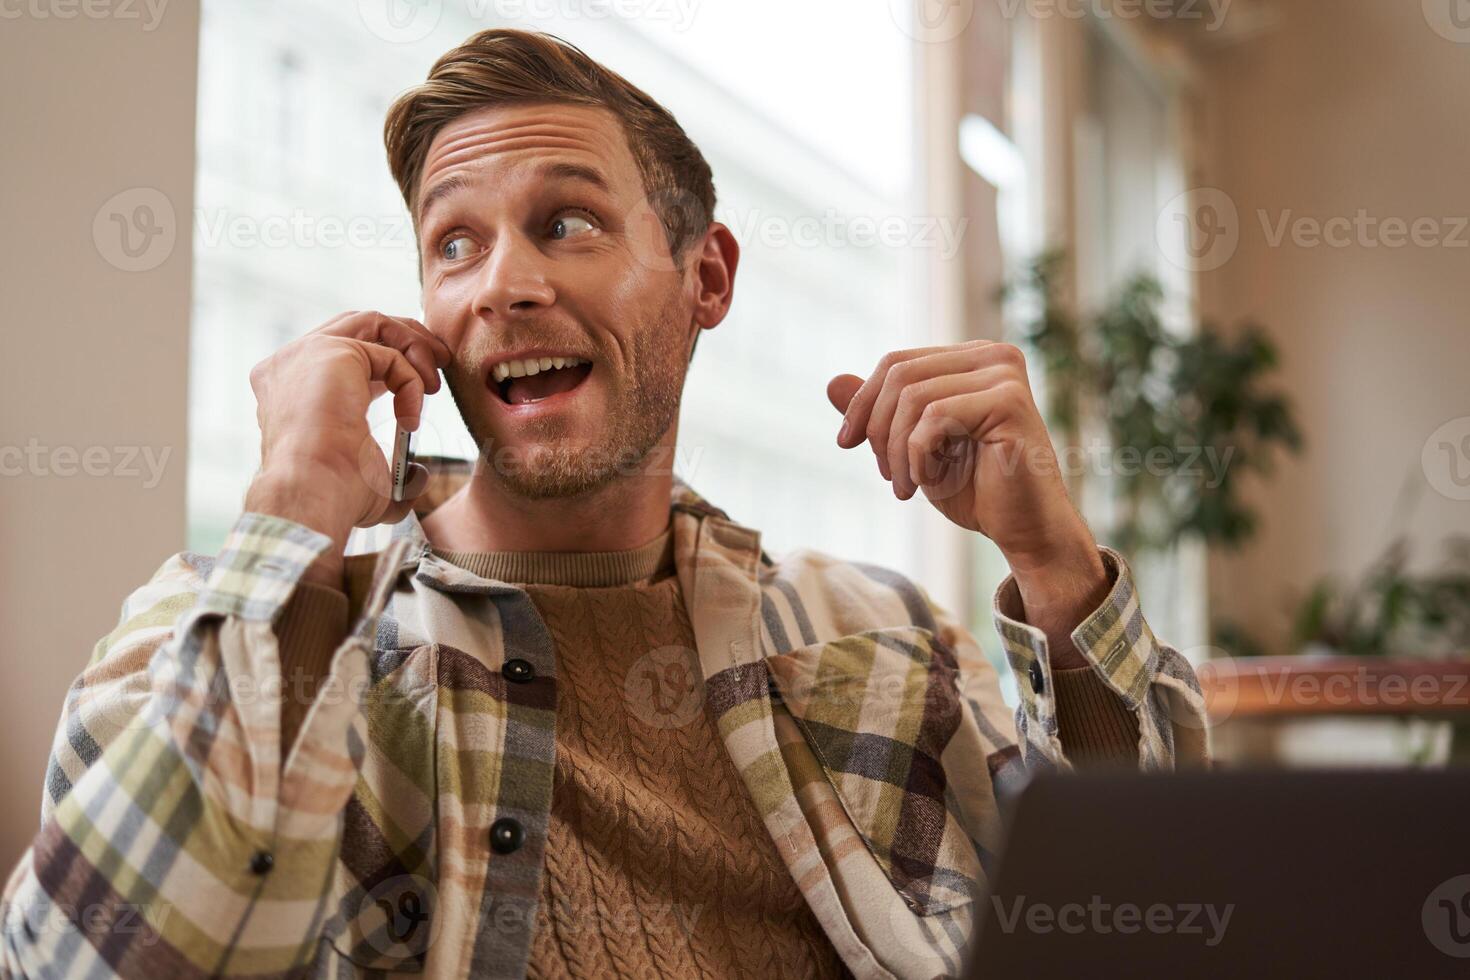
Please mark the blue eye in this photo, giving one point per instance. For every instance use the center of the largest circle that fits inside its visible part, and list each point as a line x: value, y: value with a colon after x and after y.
x: 570, y: 226
x: 457, y: 247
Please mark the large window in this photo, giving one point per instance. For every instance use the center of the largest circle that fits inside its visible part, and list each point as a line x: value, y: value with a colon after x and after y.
x: 1130, y: 164
x: 1094, y: 129
x: 811, y: 146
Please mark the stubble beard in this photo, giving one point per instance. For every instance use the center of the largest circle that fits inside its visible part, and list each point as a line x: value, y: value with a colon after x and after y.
x: 549, y: 465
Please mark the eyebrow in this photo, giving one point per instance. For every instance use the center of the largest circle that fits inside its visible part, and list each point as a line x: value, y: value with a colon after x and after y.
x: 455, y: 183
x: 449, y: 185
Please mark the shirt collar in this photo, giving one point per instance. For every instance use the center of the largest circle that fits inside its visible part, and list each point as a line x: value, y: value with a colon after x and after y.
x: 420, y: 559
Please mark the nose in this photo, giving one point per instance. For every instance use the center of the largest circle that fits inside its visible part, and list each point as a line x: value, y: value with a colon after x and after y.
x: 513, y: 281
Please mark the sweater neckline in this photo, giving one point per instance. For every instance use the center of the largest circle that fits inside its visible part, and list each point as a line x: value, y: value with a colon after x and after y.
x: 584, y: 569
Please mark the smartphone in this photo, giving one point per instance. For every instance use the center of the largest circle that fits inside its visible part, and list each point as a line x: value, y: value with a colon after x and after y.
x: 401, y: 444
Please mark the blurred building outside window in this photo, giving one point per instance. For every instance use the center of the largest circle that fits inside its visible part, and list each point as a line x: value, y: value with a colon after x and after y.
x: 813, y: 150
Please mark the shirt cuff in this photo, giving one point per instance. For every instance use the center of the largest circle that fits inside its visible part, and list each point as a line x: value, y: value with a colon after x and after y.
x: 1113, y: 639
x: 259, y: 566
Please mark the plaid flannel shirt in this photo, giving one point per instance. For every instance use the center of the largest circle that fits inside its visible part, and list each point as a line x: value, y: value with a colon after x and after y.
x: 404, y: 830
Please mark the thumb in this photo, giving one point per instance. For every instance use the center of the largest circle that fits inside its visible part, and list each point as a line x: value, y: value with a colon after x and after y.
x: 414, y: 486
x: 841, y: 389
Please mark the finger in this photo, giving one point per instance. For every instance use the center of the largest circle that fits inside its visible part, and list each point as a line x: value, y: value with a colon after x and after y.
x: 861, y: 406
x: 840, y: 392
x: 854, y: 425
x: 337, y: 321
x: 392, y: 368
x: 971, y: 415
x: 443, y: 356
x: 857, y: 425
x: 423, y: 350
x: 941, y: 456
x: 841, y: 389
x: 908, y: 407
x: 946, y: 361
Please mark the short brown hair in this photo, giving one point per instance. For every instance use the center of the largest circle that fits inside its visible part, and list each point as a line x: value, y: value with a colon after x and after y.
x: 507, y: 67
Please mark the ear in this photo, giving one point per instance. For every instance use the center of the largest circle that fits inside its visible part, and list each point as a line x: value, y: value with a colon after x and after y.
x: 713, y: 268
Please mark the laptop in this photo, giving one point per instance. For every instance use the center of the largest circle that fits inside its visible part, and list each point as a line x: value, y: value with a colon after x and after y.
x: 1232, y: 874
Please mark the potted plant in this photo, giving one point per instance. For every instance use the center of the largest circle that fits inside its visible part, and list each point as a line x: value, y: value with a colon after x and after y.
x: 1391, y: 610
x: 1172, y: 398
x: 1388, y: 644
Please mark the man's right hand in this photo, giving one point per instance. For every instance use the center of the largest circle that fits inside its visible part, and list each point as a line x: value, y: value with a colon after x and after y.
x: 319, y: 464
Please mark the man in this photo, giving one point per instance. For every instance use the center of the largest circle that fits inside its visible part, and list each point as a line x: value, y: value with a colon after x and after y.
x: 575, y: 722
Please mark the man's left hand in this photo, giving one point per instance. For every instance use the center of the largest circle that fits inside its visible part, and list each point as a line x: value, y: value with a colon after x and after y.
x: 959, y: 423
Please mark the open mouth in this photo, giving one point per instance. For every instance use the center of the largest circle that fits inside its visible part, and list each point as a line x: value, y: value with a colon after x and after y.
x: 533, y: 379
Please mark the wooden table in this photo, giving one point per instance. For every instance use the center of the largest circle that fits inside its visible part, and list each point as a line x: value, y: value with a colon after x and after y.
x: 1251, y: 699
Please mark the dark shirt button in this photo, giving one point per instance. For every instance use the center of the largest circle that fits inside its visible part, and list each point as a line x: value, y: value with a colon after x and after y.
x: 506, y: 835
x: 1038, y: 681
x: 518, y: 671
x: 261, y: 862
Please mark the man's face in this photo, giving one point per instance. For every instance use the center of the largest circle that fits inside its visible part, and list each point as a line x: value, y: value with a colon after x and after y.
x: 536, y: 241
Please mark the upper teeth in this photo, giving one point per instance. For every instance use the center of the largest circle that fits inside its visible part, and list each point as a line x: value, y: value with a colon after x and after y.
x: 531, y: 365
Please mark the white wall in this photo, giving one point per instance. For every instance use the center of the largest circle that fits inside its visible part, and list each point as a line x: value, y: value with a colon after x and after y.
x: 94, y: 357
x: 1346, y: 105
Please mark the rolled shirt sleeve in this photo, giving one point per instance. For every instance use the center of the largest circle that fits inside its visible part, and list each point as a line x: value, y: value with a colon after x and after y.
x: 1134, y: 687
